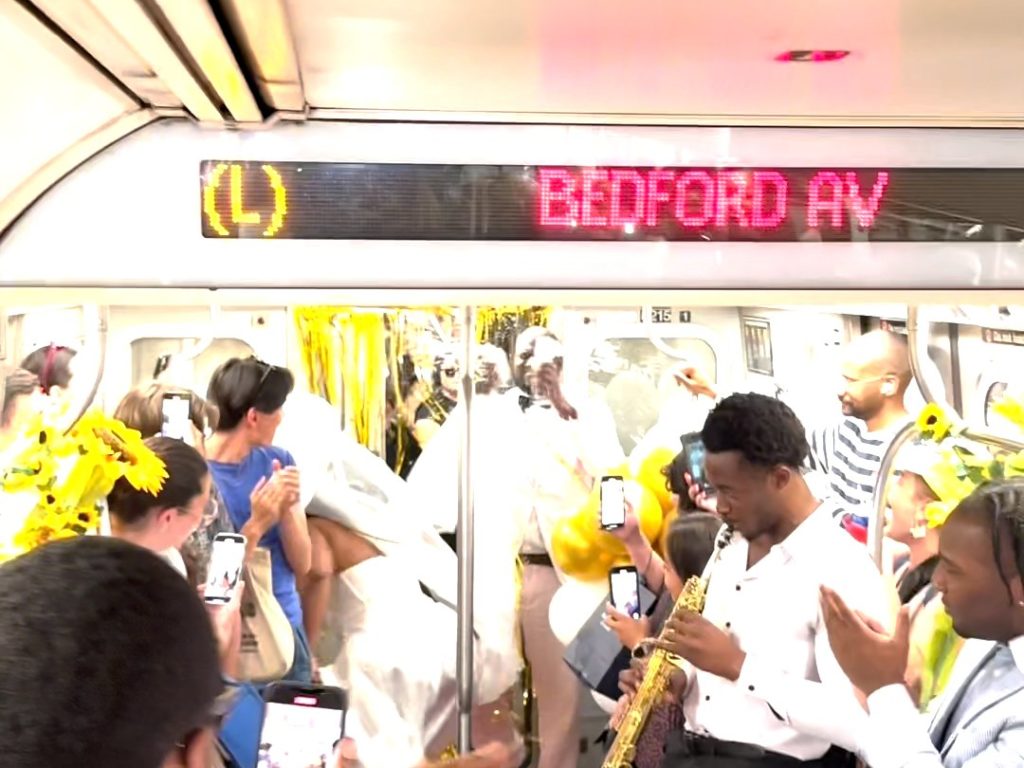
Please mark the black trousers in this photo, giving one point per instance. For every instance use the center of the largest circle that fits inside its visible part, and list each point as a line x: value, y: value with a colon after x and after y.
x: 686, y: 750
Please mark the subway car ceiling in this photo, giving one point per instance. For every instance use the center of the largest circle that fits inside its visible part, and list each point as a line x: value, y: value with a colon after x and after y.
x: 93, y: 71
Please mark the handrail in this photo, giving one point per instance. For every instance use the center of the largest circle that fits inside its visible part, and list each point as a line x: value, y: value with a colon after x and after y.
x: 877, y: 521
x: 918, y: 348
x: 990, y: 438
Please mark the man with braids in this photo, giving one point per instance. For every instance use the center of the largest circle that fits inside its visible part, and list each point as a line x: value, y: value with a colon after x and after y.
x: 767, y: 690
x: 979, y: 720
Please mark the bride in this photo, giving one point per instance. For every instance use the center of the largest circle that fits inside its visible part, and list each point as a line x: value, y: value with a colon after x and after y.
x: 390, y: 628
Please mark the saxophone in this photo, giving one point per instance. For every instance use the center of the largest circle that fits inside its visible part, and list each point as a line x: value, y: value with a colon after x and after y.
x: 659, y: 669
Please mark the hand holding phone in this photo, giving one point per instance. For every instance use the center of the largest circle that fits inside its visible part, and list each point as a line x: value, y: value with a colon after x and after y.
x: 176, y: 409
x: 225, y: 570
x: 693, y: 449
x: 302, y: 724
x: 624, y: 585
x: 613, y: 502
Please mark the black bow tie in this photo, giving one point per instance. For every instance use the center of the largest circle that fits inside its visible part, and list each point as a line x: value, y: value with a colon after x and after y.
x: 525, y: 401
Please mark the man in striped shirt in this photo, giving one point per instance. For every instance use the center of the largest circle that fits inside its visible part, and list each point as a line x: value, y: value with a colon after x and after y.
x: 875, y: 376
x: 848, y: 453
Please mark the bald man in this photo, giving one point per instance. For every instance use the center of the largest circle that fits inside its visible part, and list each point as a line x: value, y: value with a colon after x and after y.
x: 848, y: 453
x: 875, y: 377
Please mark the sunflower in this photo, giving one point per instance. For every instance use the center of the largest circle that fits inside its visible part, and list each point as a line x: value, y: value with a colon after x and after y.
x: 72, y: 473
x: 125, y: 453
x: 934, y: 423
x: 29, y: 473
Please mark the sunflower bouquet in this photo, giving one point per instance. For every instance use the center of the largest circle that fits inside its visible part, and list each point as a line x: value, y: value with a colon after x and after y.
x: 966, y: 465
x: 57, y: 484
x: 962, y: 467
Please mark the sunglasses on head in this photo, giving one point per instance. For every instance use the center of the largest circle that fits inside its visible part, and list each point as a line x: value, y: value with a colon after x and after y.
x: 267, y: 369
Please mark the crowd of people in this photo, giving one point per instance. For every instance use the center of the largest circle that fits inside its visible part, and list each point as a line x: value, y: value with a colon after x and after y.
x: 805, y: 652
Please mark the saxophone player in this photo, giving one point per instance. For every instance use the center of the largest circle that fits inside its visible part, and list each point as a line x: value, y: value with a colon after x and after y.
x: 767, y: 690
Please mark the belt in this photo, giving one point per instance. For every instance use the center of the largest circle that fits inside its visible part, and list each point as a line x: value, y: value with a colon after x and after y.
x: 531, y: 558
x: 705, y: 746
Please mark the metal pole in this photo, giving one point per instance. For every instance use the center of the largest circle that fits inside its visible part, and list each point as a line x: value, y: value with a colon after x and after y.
x: 917, y: 342
x: 464, y: 543
x: 877, y: 521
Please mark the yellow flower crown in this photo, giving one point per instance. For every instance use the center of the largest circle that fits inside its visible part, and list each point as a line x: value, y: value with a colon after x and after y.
x: 71, y: 474
x: 965, y: 466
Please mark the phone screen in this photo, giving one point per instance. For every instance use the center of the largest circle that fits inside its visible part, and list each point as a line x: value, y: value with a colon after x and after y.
x: 625, y: 589
x: 302, y: 731
x: 695, y: 452
x: 613, y: 502
x: 176, y: 422
x: 226, y: 560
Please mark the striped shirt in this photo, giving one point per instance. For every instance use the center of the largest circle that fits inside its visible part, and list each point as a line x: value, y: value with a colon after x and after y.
x: 849, y: 456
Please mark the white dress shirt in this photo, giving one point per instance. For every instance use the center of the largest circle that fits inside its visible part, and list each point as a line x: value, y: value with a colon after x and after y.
x: 791, y: 696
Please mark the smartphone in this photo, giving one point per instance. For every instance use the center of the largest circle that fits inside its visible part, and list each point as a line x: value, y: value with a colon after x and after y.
x: 613, y: 502
x: 693, y: 447
x: 301, y: 724
x: 624, y: 585
x: 177, y: 424
x: 226, y: 558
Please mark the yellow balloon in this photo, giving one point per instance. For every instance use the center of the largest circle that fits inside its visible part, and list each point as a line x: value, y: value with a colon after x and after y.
x: 650, y: 474
x: 646, y: 508
x: 569, y: 549
x: 605, y: 550
x: 621, y: 470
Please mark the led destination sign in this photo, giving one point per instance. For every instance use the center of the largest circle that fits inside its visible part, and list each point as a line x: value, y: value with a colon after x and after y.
x: 348, y: 201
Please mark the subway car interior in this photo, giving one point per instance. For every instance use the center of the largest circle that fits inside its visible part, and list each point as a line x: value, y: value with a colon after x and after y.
x: 383, y: 197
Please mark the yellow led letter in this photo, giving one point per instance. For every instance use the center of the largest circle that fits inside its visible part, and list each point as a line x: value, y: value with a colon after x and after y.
x: 239, y: 216
x: 210, y: 201
x: 280, y: 201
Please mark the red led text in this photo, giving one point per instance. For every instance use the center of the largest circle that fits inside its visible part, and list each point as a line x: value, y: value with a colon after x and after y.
x: 695, y: 199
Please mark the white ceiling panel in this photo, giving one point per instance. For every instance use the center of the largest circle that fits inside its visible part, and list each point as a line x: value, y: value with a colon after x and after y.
x: 51, y: 98
x: 912, y: 60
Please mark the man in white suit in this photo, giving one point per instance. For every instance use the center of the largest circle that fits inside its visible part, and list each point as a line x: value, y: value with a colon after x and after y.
x: 979, y: 721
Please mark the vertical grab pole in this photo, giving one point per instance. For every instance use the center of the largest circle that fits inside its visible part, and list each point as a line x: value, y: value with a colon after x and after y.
x: 464, y: 543
x: 877, y: 521
x: 917, y: 346
x: 917, y: 343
